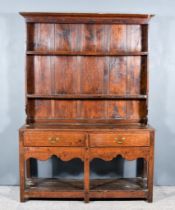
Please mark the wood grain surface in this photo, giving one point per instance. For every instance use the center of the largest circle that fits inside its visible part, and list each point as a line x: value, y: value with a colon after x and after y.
x: 86, y: 98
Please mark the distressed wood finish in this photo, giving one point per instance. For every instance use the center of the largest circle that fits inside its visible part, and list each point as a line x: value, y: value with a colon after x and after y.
x: 71, y: 139
x: 86, y: 98
x: 127, y: 153
x: 86, y: 18
x: 119, y: 139
x: 44, y: 153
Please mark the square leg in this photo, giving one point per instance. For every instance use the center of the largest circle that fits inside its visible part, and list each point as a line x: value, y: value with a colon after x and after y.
x: 21, y: 167
x: 151, y: 169
x: 86, y: 176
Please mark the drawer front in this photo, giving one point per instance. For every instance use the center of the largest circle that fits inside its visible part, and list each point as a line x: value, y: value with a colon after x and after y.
x: 49, y: 138
x: 119, y: 139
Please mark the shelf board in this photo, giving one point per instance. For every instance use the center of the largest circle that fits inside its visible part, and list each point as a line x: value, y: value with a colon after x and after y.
x: 112, y: 188
x: 54, y: 184
x: 53, y: 188
x: 118, y: 184
x: 88, y: 53
x: 84, y: 96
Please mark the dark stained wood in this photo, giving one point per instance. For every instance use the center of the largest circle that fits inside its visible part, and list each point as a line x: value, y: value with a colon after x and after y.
x: 134, y: 38
x: 55, y: 184
x: 84, y: 110
x: 119, y: 194
x: 22, y: 166
x: 28, y: 167
x: 75, y: 184
x: 86, y: 18
x: 67, y: 68
x: 85, y: 121
x: 136, y: 128
x: 115, y: 78
x: 151, y: 169
x: 42, y: 76
x: 44, y: 37
x: 86, y: 171
x: 65, y: 109
x: 85, y: 53
x: 86, y: 98
x: 53, y: 188
x: 99, y: 188
x: 51, y: 194
x: 128, y: 184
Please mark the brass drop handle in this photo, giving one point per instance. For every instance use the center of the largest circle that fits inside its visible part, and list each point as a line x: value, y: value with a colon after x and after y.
x: 53, y: 140
x: 119, y: 140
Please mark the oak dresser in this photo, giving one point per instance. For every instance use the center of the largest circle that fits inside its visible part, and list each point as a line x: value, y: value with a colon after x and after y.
x: 87, y: 98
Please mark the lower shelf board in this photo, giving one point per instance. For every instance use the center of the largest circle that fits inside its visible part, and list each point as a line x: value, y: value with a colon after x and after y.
x: 99, y: 188
x: 54, y: 184
x: 118, y: 184
x: 54, y: 188
x: 119, y: 188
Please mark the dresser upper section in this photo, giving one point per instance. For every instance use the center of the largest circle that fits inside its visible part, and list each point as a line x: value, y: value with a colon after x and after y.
x: 86, y: 68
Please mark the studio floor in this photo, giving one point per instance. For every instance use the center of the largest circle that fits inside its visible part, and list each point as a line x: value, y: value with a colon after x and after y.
x: 164, y: 199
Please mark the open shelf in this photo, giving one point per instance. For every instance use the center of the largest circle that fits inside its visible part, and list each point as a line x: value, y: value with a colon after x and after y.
x: 118, y: 188
x: 99, y: 188
x: 118, y: 184
x: 54, y: 184
x: 53, y: 188
x: 88, y: 53
x: 84, y: 96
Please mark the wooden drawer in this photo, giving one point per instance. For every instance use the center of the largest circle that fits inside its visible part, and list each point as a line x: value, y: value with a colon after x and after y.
x: 119, y: 139
x: 50, y: 138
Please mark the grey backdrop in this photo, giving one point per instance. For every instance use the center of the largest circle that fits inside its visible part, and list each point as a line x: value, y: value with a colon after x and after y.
x: 162, y: 80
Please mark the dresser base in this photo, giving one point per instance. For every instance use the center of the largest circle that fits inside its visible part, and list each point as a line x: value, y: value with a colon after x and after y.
x: 87, y: 145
